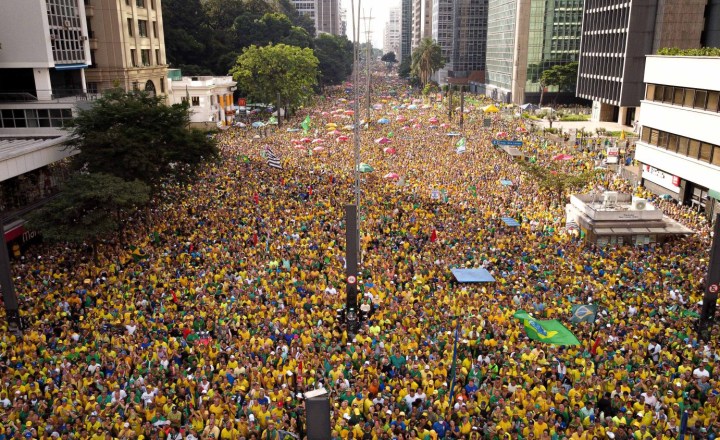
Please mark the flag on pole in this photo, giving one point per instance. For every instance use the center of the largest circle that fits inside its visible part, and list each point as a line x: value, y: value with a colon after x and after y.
x: 550, y: 331
x: 306, y: 124
x: 272, y: 159
x: 460, y: 146
x: 583, y: 313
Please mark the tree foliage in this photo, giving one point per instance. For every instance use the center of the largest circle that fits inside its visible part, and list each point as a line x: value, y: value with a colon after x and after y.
x: 556, y: 182
x: 697, y: 52
x: 563, y: 76
x: 426, y: 60
x: 389, y: 58
x: 90, y: 206
x: 206, y: 36
x: 335, y: 58
x: 264, y: 72
x: 135, y: 136
x: 405, y: 67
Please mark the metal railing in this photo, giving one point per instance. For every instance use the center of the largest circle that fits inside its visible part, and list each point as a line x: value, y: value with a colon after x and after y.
x: 64, y: 95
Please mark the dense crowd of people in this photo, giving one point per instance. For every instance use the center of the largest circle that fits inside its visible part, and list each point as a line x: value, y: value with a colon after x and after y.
x: 218, y: 311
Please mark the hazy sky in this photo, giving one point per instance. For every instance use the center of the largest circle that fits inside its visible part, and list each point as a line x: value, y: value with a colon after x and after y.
x: 380, y: 11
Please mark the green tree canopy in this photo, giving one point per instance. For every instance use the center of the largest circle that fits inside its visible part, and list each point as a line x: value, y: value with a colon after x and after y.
x: 426, y: 60
x: 335, y: 58
x: 90, y: 206
x: 556, y: 182
x: 389, y: 58
x: 264, y: 72
x: 136, y: 136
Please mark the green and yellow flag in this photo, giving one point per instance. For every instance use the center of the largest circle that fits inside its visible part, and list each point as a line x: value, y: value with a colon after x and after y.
x: 306, y: 124
x: 583, y: 313
x: 550, y: 331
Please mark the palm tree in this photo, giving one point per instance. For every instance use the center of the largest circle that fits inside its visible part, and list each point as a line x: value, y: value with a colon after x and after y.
x: 426, y: 59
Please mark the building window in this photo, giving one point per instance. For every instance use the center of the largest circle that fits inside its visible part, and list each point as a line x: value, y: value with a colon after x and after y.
x: 19, y: 118
x: 152, y: 4
x: 162, y: 84
x: 140, y: 3
x: 694, y: 150
x: 659, y: 91
x: 689, y: 98
x: 650, y: 92
x: 133, y: 58
x: 195, y: 101
x: 135, y: 86
x: 700, y: 98
x: 683, y: 143
x: 142, y: 28
x: 127, y: 2
x: 712, y: 101
x: 154, y: 25
x: 678, y: 97
x: 157, y: 57
x: 130, y: 26
x: 716, y: 156
x: 705, y: 152
x: 92, y: 87
x: 145, y: 56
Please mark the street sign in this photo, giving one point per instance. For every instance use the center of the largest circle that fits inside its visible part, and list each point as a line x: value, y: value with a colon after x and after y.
x: 713, y: 288
x: 351, y: 279
x: 501, y: 143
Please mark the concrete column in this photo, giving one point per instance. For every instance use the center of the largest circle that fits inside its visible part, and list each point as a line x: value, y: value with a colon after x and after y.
x: 43, y: 86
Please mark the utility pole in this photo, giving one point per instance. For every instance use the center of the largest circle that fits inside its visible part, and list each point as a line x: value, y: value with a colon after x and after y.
x: 279, y: 118
x: 462, y: 107
x: 352, y: 226
x: 368, y: 32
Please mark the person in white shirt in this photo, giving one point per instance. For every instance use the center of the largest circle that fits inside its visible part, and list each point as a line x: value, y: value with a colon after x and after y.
x: 701, y: 371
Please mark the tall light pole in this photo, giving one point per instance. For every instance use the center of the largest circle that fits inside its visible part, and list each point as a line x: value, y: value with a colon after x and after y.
x: 352, y: 232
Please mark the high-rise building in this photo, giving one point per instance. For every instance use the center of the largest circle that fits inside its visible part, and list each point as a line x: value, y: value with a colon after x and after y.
x: 616, y: 37
x: 460, y: 28
x: 711, y: 33
x: 525, y: 38
x: 679, y: 145
x: 325, y: 13
x: 127, y: 45
x: 43, y: 60
x: 392, y: 36
x: 406, y: 29
x: 421, y: 21
x: 343, y: 22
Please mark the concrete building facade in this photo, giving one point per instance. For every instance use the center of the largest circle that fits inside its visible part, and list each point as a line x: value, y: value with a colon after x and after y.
x: 421, y: 21
x: 43, y: 59
x: 406, y: 23
x: 679, y: 146
x: 616, y: 37
x: 326, y: 14
x: 525, y: 38
x: 210, y: 97
x: 127, y: 45
x: 392, y: 37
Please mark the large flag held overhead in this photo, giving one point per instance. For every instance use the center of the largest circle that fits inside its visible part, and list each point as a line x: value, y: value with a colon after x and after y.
x: 583, y: 313
x: 272, y: 121
x: 272, y: 159
x: 460, y: 146
x: 550, y: 331
x: 306, y: 124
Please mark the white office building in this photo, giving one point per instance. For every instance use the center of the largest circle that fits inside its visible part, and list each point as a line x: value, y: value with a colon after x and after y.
x: 392, y: 36
x: 679, y: 145
x: 326, y: 14
x: 210, y: 97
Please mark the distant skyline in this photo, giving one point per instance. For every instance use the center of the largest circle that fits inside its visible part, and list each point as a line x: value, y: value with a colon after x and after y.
x: 380, y: 10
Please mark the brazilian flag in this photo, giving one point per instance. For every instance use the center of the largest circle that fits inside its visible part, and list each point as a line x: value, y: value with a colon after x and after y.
x: 547, y: 331
x: 137, y: 253
x: 583, y: 313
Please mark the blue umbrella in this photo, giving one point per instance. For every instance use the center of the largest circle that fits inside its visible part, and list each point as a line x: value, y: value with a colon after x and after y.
x: 258, y: 124
x: 383, y: 121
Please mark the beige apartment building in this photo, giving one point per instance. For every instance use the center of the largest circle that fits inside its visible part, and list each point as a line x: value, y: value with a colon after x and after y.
x: 127, y: 45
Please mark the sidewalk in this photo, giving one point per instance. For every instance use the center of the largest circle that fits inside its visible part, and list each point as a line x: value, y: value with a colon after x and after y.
x: 586, y: 125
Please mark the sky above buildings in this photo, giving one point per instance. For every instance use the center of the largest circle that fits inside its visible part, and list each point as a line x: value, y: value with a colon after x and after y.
x: 379, y: 9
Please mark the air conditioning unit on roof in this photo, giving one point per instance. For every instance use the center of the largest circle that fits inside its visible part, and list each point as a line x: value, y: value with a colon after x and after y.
x: 638, y: 204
